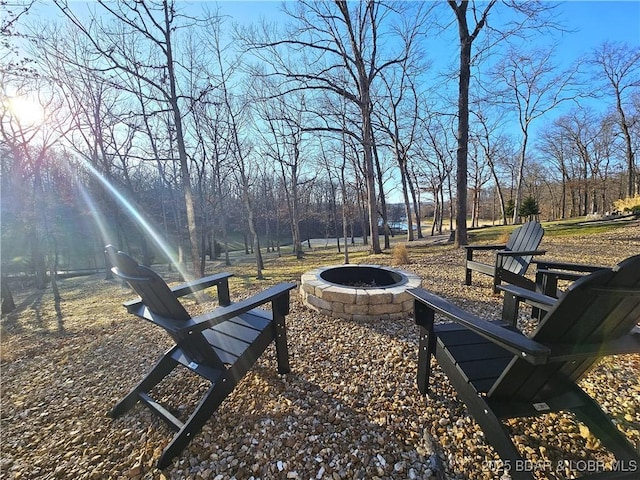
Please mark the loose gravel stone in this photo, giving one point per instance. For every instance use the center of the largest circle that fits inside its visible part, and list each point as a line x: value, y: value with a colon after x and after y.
x: 349, y: 409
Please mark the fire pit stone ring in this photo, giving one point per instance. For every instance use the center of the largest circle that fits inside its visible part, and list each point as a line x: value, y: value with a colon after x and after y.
x: 359, y: 292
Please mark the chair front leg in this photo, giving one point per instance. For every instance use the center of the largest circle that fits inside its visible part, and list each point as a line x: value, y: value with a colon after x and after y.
x: 224, y: 299
x: 467, y: 277
x: 205, y: 409
x: 510, y: 308
x: 424, y: 317
x: 497, y: 277
x: 280, y: 308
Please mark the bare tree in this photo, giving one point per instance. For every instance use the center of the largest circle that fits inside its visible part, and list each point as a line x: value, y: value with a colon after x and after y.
x: 141, y: 41
x: 342, y: 53
x: 398, y: 118
x: 589, y: 144
x: 214, y: 134
x: 29, y: 142
x: 237, y: 110
x: 620, y: 64
x: 553, y: 143
x: 480, y: 175
x: 282, y: 144
x: 523, y: 15
x: 437, y: 164
x: 533, y: 86
x: 494, y: 148
x: 11, y: 59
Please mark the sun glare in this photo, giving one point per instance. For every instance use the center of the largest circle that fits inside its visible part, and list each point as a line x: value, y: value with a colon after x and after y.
x: 135, y: 215
x: 26, y: 111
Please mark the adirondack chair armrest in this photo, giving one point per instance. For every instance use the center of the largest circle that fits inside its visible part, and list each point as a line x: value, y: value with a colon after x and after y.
x: 220, y: 280
x: 515, y: 342
x: 542, y: 274
x: 484, y: 247
x: 185, y: 288
x: 472, y: 248
x: 549, y: 273
x: 519, y: 253
x: 530, y: 297
x: 221, y: 314
x: 514, y: 294
x: 136, y: 307
x: 572, y: 267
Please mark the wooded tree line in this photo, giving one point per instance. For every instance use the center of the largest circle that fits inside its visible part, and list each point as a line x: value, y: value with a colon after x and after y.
x: 205, y: 128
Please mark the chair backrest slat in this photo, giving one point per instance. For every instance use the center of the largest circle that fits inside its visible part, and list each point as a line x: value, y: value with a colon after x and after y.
x: 154, y: 292
x: 591, y: 311
x: 527, y: 237
x: 160, y: 300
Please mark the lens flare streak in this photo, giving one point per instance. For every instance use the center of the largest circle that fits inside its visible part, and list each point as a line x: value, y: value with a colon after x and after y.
x: 131, y: 210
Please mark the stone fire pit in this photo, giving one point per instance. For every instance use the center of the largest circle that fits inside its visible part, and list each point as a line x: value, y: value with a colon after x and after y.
x: 359, y: 292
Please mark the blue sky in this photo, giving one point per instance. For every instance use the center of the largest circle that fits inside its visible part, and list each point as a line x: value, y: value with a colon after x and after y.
x: 592, y: 21
x: 596, y: 22
x: 588, y: 24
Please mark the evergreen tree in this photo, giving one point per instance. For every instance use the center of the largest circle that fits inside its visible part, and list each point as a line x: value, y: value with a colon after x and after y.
x: 529, y: 208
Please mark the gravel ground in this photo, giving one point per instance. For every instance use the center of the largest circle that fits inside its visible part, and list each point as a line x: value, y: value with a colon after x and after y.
x: 348, y: 410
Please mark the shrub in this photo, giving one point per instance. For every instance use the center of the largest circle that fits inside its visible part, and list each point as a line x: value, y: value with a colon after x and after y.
x: 503, y: 238
x: 629, y: 204
x: 400, y: 254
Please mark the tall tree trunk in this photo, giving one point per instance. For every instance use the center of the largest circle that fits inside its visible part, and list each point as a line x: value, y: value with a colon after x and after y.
x: 405, y: 196
x: 383, y: 202
x: 416, y: 209
x: 182, y: 150
x: 37, y: 230
x: 463, y: 139
x: 295, y: 219
x: 520, y: 178
x: 466, y: 41
x: 463, y: 123
x: 343, y: 191
x: 8, y: 305
x: 370, y: 177
x: 254, y: 232
x: 631, y: 184
x: 345, y: 230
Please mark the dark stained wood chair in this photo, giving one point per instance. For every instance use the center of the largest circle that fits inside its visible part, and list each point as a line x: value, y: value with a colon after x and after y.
x: 500, y: 374
x: 220, y: 346
x: 548, y: 273
x: 511, y: 260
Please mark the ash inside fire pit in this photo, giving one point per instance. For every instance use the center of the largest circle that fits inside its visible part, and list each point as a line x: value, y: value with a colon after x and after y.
x: 362, y: 276
x: 361, y: 284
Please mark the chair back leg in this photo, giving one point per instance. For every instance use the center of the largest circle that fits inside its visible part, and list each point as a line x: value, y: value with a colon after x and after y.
x: 163, y: 368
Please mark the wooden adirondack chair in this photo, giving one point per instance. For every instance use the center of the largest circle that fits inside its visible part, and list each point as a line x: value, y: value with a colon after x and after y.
x: 221, y: 346
x: 511, y: 260
x: 548, y: 273
x: 500, y: 373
